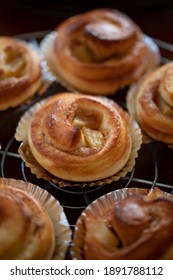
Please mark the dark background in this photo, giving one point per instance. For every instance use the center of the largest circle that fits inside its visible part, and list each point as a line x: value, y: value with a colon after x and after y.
x: 155, y: 17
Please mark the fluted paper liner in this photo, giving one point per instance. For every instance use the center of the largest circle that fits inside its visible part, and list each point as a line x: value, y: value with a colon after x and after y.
x: 40, y: 172
x: 101, y: 207
x: 46, y: 47
x: 46, y: 77
x: 130, y: 102
x: 55, y: 211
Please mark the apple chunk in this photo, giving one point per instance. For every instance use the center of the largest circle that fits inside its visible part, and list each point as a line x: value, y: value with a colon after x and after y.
x: 93, y: 138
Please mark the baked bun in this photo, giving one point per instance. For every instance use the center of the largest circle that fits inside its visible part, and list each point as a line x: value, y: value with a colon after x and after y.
x: 20, y: 72
x: 151, y: 103
x: 139, y: 227
x: 80, y: 137
x: 100, y: 51
x: 26, y: 231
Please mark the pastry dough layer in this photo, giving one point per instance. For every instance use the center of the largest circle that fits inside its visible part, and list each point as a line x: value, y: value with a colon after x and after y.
x: 152, y: 103
x: 80, y: 137
x: 99, y: 52
x: 139, y: 228
x: 20, y: 72
x: 26, y: 231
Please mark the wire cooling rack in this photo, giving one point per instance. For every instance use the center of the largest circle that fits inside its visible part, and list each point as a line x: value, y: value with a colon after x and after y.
x: 153, y: 165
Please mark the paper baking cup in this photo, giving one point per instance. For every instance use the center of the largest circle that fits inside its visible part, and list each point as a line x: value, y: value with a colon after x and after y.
x: 46, y: 47
x: 131, y: 107
x: 101, y: 207
x: 55, y: 211
x: 40, y: 172
x: 46, y: 77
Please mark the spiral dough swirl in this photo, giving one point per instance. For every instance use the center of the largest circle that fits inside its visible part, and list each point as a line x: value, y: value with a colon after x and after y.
x: 79, y: 137
x: 26, y: 231
x: 99, y: 52
x: 153, y: 104
x: 20, y: 72
x: 140, y: 228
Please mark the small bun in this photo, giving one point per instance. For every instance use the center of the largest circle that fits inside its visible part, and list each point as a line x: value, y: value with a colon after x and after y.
x: 26, y: 231
x: 140, y: 227
x: 100, y: 51
x: 151, y: 103
x: 80, y: 137
x: 20, y: 72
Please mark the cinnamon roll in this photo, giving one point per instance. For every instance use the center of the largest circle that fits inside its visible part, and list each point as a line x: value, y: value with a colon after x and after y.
x: 139, y: 227
x: 20, y: 72
x: 80, y: 137
x: 100, y: 51
x: 26, y: 231
x: 151, y: 103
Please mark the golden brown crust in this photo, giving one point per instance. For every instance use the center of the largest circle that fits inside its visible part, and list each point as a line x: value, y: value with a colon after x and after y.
x: 139, y: 228
x: 80, y: 137
x: 99, y: 52
x: 152, y: 104
x: 20, y: 72
x: 166, y: 86
x: 29, y: 232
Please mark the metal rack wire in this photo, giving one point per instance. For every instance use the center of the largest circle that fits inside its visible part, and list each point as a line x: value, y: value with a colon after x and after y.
x: 153, y: 165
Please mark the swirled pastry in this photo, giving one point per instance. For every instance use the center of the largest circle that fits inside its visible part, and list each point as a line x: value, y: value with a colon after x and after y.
x: 151, y: 103
x: 80, y: 137
x: 140, y: 227
x: 26, y: 231
x: 20, y: 72
x: 99, y: 52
